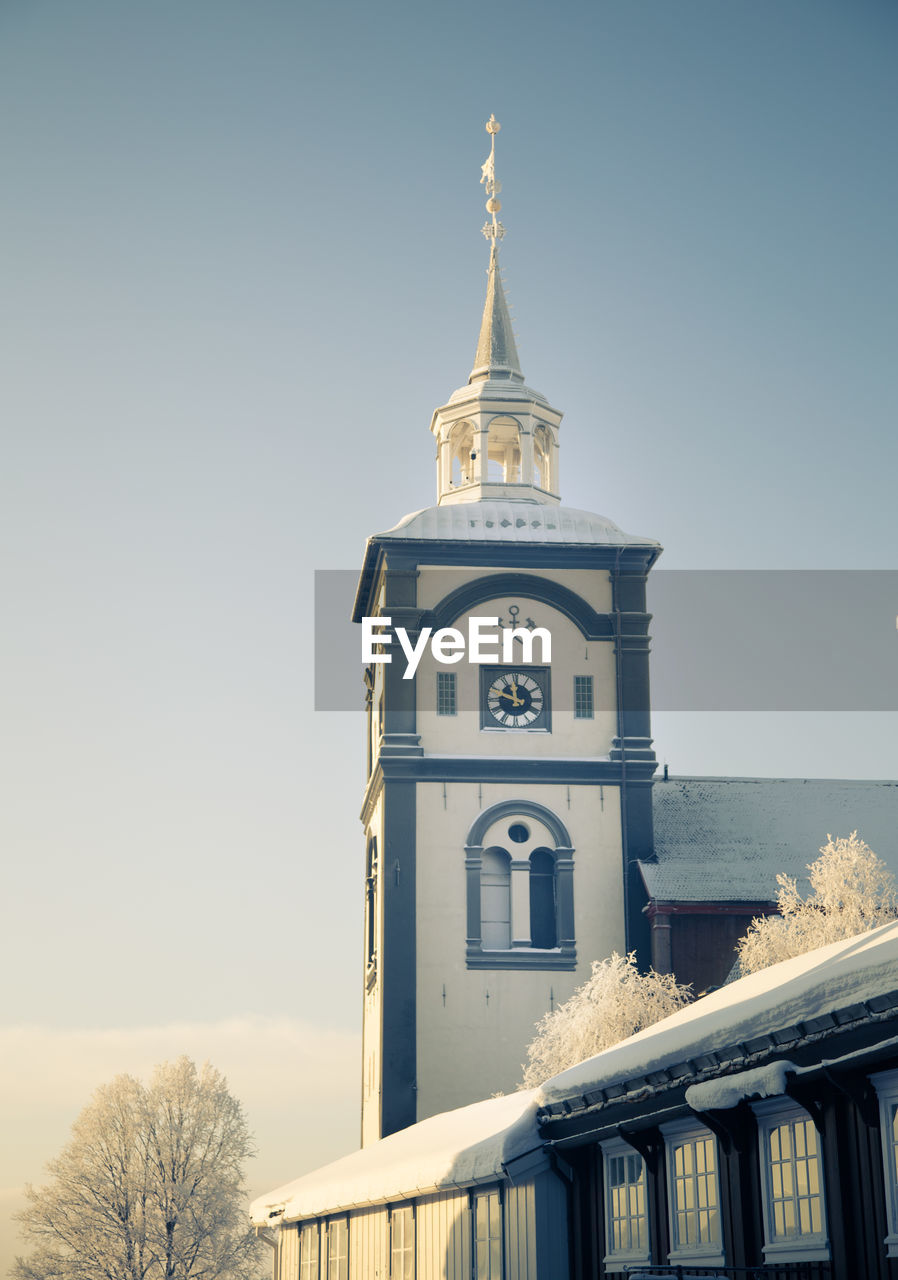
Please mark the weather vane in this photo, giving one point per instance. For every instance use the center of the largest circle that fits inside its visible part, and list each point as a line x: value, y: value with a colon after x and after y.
x: 492, y: 230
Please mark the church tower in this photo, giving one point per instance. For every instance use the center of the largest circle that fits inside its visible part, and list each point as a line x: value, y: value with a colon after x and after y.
x: 507, y: 800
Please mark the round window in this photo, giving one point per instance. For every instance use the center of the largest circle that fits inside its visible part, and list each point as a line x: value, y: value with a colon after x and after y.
x: 518, y: 833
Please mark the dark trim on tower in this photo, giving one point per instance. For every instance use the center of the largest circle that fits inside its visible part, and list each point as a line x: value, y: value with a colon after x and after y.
x: 583, y: 772
x: 406, y: 553
x: 399, y: 1090
x: 593, y: 625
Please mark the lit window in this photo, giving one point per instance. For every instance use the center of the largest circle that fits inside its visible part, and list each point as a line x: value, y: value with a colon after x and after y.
x: 792, y: 1183
x: 402, y: 1244
x: 693, y: 1194
x: 337, y: 1249
x: 487, y: 1236
x: 626, y: 1209
x: 886, y: 1085
x: 584, y: 708
x: 308, y: 1252
x: 446, y: 699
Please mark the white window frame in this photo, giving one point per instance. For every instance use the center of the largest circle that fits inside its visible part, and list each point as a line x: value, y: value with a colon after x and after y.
x: 584, y: 698
x: 480, y: 1201
x: 309, y: 1260
x: 886, y: 1085
x: 337, y: 1263
x: 402, y: 1241
x: 678, y: 1134
x: 809, y: 1246
x: 447, y: 693
x: 620, y: 1259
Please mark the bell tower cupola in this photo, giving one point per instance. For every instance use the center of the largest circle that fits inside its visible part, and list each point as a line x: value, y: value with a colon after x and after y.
x: 496, y: 437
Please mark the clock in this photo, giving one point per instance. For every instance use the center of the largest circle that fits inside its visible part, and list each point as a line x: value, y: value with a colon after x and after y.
x: 514, y: 698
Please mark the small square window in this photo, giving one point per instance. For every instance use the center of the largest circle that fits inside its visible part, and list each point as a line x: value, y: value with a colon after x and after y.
x: 584, y: 708
x: 447, y: 704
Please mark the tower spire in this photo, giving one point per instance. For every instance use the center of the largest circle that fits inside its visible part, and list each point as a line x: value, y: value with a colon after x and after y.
x: 497, y: 354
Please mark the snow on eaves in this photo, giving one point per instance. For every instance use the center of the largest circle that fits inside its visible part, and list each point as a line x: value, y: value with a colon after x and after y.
x: 724, y: 1092
x: 455, y: 1149
x: 792, y: 991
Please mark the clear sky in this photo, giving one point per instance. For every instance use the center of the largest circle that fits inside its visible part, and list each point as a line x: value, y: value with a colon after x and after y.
x: 242, y: 263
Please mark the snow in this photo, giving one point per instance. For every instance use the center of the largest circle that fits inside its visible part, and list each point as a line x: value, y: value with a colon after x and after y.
x: 455, y: 1149
x: 470, y: 1146
x: 768, y: 1081
x: 807, y: 986
x: 506, y: 520
x: 748, y: 829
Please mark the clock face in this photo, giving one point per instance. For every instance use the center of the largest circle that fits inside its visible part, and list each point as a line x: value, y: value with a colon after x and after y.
x: 515, y: 698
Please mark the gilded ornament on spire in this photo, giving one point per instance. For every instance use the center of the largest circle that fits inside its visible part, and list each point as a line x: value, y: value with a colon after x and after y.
x: 492, y: 230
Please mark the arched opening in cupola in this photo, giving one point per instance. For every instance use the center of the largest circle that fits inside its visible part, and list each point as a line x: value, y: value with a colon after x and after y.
x: 542, y: 458
x: 504, y: 451
x: 461, y: 454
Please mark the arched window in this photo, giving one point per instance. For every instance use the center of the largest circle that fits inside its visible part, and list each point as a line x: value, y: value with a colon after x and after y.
x: 520, y: 886
x: 371, y: 906
x: 542, y: 458
x: 461, y: 454
x: 543, y: 925
x: 495, y: 900
x: 504, y: 451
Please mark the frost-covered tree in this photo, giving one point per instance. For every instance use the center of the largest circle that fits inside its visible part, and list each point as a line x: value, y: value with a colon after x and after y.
x: 150, y: 1187
x: 615, y: 1002
x: 851, y: 891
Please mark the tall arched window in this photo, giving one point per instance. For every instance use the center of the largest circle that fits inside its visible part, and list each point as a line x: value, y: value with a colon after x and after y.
x: 520, y: 889
x: 543, y: 925
x: 371, y: 906
x: 495, y: 900
x: 504, y: 451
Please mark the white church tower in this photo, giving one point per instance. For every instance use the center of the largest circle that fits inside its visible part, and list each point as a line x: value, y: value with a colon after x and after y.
x: 507, y: 801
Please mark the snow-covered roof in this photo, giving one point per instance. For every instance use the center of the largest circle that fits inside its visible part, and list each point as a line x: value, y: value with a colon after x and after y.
x: 455, y: 1149
x: 471, y: 1145
x: 725, y: 839
x: 507, y: 520
x: 793, y: 991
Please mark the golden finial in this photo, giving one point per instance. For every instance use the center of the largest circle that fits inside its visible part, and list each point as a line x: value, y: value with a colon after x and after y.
x: 492, y: 230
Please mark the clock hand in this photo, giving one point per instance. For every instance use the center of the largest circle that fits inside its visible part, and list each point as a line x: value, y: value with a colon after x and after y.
x: 512, y: 698
x: 515, y: 700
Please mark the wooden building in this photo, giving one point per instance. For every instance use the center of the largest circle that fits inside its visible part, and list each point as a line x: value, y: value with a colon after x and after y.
x: 753, y: 1132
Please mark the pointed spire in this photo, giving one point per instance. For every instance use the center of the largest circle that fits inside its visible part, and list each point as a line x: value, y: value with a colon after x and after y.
x: 497, y: 354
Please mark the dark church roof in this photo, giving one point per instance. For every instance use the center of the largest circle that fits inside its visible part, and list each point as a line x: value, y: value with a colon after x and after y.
x: 725, y: 839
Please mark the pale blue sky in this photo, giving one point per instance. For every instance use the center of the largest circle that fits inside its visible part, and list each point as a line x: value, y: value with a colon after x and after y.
x: 242, y: 264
